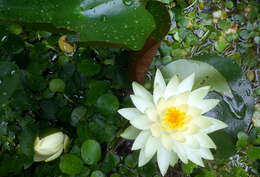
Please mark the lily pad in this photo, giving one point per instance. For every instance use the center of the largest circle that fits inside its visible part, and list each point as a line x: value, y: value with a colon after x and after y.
x: 205, y: 74
x: 226, y: 78
x: 117, y: 22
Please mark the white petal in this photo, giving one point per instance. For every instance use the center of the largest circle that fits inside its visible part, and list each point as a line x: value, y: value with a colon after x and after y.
x: 50, y: 144
x: 163, y: 105
x: 186, y: 84
x: 152, y: 114
x: 171, y: 88
x: 197, y: 95
x: 181, y: 98
x: 140, y: 91
x: 156, y: 130
x: 206, y: 153
x: 192, y: 142
x: 54, y: 156
x: 194, y: 156
x: 174, y: 159
x: 205, y: 140
x: 163, y: 159
x: 129, y: 113
x: 217, y: 125
x: 159, y: 86
x: 178, y: 137
x: 140, y: 103
x: 202, y: 122
x: 141, y: 122
x: 141, y: 140
x: 151, y: 146
x: 206, y: 105
x: 167, y: 142
x: 130, y: 133
x: 143, y: 159
x: 194, y: 112
x: 193, y: 129
x: 180, y: 151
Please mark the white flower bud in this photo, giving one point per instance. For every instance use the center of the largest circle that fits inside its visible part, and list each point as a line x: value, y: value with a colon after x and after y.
x: 50, y: 147
x: 256, y: 116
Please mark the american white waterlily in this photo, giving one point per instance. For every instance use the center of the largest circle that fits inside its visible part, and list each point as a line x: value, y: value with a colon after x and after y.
x: 50, y: 147
x: 171, y: 122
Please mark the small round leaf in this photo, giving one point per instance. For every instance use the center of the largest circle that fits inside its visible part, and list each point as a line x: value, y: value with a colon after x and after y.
x: 71, y: 164
x: 57, y: 85
x: 91, y: 152
x: 97, y: 173
x: 107, y: 104
x: 89, y: 67
x: 77, y: 114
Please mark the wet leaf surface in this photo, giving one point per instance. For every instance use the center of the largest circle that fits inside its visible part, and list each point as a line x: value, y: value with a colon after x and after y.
x: 109, y: 22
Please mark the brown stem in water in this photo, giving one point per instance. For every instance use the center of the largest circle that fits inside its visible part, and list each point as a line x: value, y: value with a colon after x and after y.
x: 139, y: 61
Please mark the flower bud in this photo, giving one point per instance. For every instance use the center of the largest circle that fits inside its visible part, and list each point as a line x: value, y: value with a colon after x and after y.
x: 50, y: 147
x: 256, y: 116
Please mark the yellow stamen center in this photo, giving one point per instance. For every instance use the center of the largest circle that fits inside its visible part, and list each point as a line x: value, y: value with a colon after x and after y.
x: 175, y: 118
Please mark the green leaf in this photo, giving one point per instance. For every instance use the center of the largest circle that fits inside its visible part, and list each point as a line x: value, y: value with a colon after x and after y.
x: 239, y: 172
x: 10, y: 164
x: 242, y: 136
x: 9, y: 80
x: 242, y: 143
x: 225, y: 144
x: 95, y: 90
x: 78, y: 114
x: 49, y: 109
x: 229, y: 4
x: 237, y: 111
x: 71, y: 164
x: 131, y: 160
x: 57, y: 85
x: 205, y: 74
x: 188, y: 168
x: 88, y: 67
x: 129, y: 25
x: 253, y: 153
x: 148, y: 170
x: 97, y: 173
x: 244, y: 34
x: 13, y: 45
x: 162, y: 19
x: 224, y: 24
x: 110, y: 162
x: 26, y: 140
x: 220, y: 45
x: 91, y: 152
x: 115, y: 175
x: 85, y: 172
x: 15, y: 28
x: 102, y: 130
x: 206, y: 172
x: 107, y: 104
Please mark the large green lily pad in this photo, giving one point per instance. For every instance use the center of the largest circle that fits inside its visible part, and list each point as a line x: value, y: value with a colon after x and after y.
x: 115, y: 22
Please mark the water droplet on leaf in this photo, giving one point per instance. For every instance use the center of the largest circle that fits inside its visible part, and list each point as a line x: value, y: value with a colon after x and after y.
x: 128, y: 2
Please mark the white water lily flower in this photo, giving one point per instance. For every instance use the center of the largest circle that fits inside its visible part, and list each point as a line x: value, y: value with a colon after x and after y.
x: 50, y: 147
x: 171, y: 122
